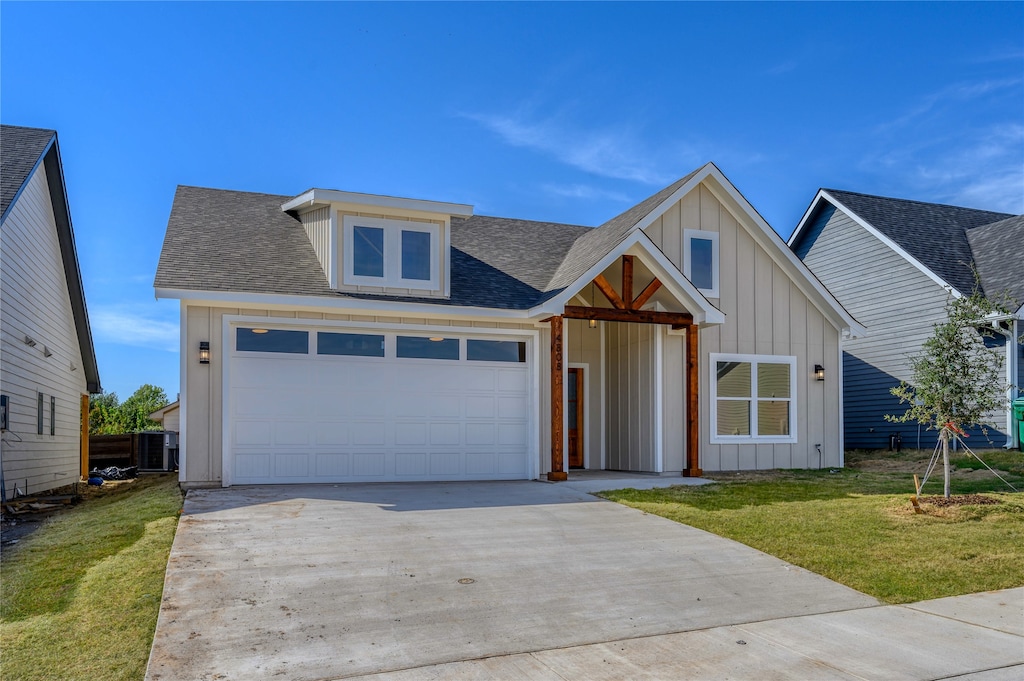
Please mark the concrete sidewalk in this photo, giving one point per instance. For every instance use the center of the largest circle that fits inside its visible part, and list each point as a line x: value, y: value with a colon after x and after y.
x: 978, y: 637
x: 527, y: 580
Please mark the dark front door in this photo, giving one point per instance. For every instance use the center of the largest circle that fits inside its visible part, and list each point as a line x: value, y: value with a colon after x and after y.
x: 574, y: 409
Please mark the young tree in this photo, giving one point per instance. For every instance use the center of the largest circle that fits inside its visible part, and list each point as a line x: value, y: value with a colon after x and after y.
x: 105, y: 416
x: 956, y: 381
x: 136, y: 409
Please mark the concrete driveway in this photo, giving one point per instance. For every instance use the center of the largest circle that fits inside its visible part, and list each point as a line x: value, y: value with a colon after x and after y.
x: 414, y: 580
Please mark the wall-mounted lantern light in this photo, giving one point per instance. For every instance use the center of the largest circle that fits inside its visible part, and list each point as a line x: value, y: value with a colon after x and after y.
x: 593, y: 323
x: 204, y: 352
x: 819, y: 372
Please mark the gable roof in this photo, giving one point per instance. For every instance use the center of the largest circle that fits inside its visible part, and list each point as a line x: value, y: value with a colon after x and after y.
x: 22, y: 150
x: 240, y: 242
x: 998, y: 250
x: 934, y: 235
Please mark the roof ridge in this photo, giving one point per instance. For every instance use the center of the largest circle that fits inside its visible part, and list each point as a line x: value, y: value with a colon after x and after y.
x: 917, y: 202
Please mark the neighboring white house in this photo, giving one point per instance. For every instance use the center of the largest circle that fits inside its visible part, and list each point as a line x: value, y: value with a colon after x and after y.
x: 47, y: 363
x: 893, y: 264
x: 334, y: 336
x: 168, y: 417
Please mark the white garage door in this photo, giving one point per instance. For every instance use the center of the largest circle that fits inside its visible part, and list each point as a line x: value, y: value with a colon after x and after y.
x: 330, y: 405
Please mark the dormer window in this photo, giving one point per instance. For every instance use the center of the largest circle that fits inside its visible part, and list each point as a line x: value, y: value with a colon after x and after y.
x: 391, y: 253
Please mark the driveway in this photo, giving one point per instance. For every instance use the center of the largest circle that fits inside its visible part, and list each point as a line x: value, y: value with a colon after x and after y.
x: 329, y: 582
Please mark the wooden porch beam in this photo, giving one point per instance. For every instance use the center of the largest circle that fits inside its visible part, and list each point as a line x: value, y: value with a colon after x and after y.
x: 692, y: 414
x: 675, y: 319
x: 627, y: 281
x: 604, y: 287
x: 646, y: 294
x: 557, y: 402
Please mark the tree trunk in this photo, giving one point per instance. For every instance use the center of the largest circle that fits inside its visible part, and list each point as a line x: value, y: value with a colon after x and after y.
x: 945, y: 459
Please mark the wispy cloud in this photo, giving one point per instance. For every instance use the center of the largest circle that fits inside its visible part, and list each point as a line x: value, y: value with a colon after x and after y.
x: 617, y: 153
x: 782, y: 68
x: 583, y: 191
x: 975, y: 168
x: 957, y: 93
x: 134, y: 325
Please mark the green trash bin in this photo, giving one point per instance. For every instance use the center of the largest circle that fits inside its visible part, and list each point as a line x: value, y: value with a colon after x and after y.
x: 1018, y: 421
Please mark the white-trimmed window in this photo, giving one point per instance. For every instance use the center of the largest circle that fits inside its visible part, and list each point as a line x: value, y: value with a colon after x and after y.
x: 753, y: 398
x: 391, y: 253
x: 700, y: 260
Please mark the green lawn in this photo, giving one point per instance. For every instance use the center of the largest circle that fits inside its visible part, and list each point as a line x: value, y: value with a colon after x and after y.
x: 858, y: 528
x: 81, y: 595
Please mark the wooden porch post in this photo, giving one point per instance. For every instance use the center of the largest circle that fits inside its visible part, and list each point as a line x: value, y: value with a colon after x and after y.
x: 557, y: 402
x: 692, y: 469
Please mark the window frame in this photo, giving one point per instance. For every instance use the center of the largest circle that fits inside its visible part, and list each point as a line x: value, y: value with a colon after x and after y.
x: 754, y: 437
x: 392, y: 253
x: 688, y: 236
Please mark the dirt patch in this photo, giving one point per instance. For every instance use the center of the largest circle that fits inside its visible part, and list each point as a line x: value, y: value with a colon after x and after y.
x: 14, y: 527
x: 960, y: 500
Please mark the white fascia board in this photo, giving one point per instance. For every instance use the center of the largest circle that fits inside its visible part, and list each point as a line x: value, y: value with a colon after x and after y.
x: 785, y: 258
x: 800, y: 226
x: 339, y: 305
x: 891, y: 244
x: 332, y: 196
x: 638, y: 243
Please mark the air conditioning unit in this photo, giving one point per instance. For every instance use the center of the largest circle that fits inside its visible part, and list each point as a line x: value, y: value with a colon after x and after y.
x: 158, y: 451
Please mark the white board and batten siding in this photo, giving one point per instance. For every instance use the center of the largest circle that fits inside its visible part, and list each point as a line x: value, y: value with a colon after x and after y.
x: 767, y: 313
x: 36, y: 303
x: 317, y: 223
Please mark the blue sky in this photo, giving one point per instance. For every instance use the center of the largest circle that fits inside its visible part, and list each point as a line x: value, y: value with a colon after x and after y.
x: 558, y: 112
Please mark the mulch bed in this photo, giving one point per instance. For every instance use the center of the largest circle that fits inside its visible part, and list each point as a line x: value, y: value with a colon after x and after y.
x: 960, y: 500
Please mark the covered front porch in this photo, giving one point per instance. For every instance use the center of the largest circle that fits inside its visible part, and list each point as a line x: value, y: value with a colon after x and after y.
x: 624, y: 375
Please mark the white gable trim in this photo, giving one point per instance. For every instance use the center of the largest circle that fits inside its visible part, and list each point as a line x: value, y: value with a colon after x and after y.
x: 784, y: 256
x: 328, y: 196
x: 637, y: 243
x: 823, y: 195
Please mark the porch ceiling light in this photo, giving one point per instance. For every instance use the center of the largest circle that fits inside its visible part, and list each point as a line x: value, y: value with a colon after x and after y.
x: 259, y: 330
x: 204, y: 352
x: 819, y: 372
x: 593, y: 323
x: 436, y: 339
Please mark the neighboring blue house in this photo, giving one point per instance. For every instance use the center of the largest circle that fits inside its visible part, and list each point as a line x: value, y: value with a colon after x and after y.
x: 893, y: 264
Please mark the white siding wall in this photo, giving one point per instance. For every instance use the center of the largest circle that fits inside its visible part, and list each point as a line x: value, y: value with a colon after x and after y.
x: 203, y: 384
x: 318, y: 228
x: 631, y: 375
x: 35, y: 302
x: 766, y: 314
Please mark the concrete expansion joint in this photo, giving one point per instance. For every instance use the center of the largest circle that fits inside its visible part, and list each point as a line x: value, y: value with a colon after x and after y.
x: 910, y: 606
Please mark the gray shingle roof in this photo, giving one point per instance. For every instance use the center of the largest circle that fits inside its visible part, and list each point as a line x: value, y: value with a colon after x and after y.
x: 998, y: 250
x: 220, y: 240
x: 597, y: 243
x: 21, y: 149
x: 934, y: 234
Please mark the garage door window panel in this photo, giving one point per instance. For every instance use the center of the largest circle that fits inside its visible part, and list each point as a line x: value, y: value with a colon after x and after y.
x: 271, y: 340
x: 350, y: 344
x: 416, y: 347
x: 495, y: 351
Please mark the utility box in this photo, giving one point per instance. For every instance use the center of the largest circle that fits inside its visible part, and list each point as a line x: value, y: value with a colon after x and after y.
x: 1018, y: 421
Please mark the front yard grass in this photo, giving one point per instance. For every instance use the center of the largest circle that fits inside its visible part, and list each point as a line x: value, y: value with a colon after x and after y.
x: 856, y: 525
x: 81, y: 595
